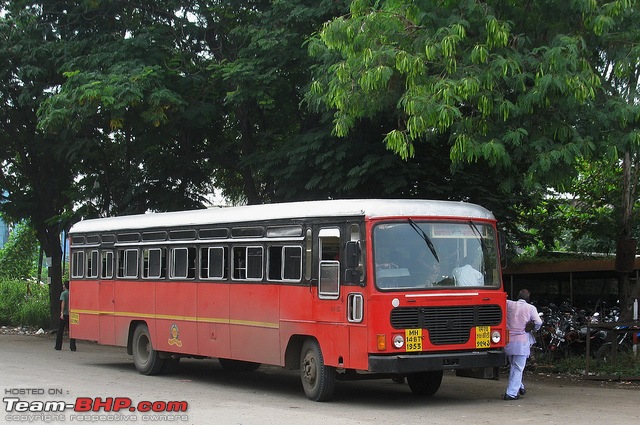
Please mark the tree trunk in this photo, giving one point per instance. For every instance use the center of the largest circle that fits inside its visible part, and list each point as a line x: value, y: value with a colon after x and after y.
x: 51, y: 244
x: 626, y: 246
x: 248, y: 149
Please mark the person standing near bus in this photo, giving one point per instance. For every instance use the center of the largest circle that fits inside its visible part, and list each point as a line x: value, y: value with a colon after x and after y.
x: 64, y: 318
x: 522, y: 318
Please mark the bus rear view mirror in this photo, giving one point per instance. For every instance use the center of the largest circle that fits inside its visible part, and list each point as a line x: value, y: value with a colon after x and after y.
x: 502, y: 243
x: 352, y: 254
x: 353, y: 276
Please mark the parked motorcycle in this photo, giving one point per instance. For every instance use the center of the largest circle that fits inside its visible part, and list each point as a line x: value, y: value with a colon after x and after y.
x: 564, y: 330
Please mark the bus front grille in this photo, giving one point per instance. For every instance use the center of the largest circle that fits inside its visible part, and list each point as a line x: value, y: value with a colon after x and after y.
x: 446, y: 325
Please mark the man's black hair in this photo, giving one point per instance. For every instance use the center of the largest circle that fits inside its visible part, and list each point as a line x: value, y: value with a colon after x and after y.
x: 524, y: 295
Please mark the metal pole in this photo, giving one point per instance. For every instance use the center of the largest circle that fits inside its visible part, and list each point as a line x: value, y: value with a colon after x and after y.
x: 571, y: 288
x: 635, y: 319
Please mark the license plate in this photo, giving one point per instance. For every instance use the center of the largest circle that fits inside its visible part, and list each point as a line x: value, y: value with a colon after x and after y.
x: 483, y: 336
x: 413, y: 339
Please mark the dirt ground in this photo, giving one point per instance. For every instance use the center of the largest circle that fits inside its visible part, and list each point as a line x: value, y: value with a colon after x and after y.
x: 536, y: 372
x: 272, y: 395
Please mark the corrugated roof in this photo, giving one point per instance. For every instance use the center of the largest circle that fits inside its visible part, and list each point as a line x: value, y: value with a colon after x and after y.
x: 566, y: 266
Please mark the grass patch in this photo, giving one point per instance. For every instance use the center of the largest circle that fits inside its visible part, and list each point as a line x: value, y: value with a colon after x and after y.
x: 19, y: 308
x: 626, y: 365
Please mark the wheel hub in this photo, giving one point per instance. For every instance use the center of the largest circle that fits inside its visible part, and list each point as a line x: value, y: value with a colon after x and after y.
x: 309, y: 369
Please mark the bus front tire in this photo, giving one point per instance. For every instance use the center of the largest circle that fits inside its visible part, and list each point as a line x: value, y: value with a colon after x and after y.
x: 146, y: 359
x: 425, y: 384
x: 317, y: 379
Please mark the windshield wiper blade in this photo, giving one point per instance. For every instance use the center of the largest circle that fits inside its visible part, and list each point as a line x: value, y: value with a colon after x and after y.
x: 478, y: 234
x: 483, y: 243
x: 426, y: 238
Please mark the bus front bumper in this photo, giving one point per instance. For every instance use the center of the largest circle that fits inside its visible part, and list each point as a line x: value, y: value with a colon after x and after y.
x: 408, y: 363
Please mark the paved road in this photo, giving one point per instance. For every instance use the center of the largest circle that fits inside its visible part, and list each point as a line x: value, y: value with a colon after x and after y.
x: 33, y: 371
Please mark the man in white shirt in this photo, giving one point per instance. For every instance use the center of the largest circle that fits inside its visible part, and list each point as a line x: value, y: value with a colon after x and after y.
x: 522, y: 318
x: 468, y: 275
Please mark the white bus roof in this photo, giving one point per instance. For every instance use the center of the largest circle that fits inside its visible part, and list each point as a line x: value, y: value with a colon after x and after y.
x: 370, y: 208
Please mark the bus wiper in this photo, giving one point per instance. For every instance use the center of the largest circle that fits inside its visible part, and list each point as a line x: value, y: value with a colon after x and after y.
x: 477, y: 232
x: 426, y: 238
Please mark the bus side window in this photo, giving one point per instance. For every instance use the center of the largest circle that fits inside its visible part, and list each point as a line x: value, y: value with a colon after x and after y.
x: 153, y: 263
x: 183, y: 263
x: 106, y: 270
x: 128, y: 263
x: 213, y: 262
x: 77, y: 264
x: 329, y: 273
x: 92, y: 264
x: 247, y: 262
x: 292, y: 263
x: 284, y: 263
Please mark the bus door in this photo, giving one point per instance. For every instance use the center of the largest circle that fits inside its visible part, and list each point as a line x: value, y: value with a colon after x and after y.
x: 106, y: 300
x: 106, y: 327
x: 340, y: 303
x: 329, y: 263
x: 340, y: 263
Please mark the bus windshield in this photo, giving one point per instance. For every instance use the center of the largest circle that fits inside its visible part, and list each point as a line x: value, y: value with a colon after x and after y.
x: 420, y: 254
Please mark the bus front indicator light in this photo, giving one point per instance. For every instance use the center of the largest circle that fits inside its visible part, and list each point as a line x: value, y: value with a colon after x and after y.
x: 382, y: 342
x: 398, y: 341
x: 495, y: 337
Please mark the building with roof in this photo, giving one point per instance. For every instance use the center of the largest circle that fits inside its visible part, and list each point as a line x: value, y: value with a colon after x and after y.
x: 579, y: 281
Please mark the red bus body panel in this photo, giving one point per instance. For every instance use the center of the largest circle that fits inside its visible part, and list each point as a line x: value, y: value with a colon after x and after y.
x: 257, y: 321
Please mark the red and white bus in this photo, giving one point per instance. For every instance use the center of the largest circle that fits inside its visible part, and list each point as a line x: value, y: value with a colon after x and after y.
x: 338, y: 289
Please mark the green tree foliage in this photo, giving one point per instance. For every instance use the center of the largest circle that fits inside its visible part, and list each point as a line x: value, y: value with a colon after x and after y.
x: 530, y: 88
x: 19, y: 256
x: 116, y: 107
x: 360, y: 166
x: 592, y: 215
x: 213, y: 87
x: 503, y: 82
x: 36, y: 172
x: 61, y: 147
x: 112, y: 107
x: 259, y: 60
x: 135, y: 93
x: 613, y: 38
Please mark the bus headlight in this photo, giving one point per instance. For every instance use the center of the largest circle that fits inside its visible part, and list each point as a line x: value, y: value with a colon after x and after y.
x: 398, y: 341
x: 495, y: 337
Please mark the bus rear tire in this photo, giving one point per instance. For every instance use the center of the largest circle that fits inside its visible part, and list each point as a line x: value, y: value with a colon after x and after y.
x: 425, y: 384
x: 146, y: 359
x: 318, y: 380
